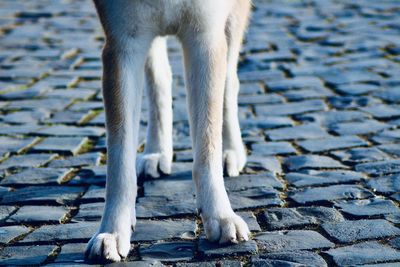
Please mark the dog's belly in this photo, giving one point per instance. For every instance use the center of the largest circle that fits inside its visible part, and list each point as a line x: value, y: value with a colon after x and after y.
x: 163, y: 17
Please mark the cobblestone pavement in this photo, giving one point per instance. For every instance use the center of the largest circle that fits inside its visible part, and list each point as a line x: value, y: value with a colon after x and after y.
x: 320, y: 115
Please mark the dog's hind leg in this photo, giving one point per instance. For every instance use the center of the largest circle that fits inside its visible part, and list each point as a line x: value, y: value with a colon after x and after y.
x: 234, y: 153
x: 205, y: 51
x: 157, y: 156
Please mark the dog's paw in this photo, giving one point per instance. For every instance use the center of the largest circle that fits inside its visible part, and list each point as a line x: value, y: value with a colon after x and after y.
x: 234, y: 160
x: 153, y: 165
x: 231, y: 229
x: 108, y: 247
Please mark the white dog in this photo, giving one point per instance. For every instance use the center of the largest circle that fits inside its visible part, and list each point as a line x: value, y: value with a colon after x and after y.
x: 211, y: 32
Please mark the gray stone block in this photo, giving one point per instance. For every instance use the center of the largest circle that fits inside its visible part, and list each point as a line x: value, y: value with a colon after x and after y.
x: 350, y: 231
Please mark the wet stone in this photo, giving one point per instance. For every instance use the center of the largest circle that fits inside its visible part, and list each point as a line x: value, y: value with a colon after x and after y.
x: 294, y: 83
x: 250, y: 89
x: 9, y: 144
x: 87, y: 159
x: 25, y: 129
x: 386, y: 185
x: 380, y: 168
x: 71, y: 253
x: 20, y: 117
x: 259, y: 75
x: 350, y: 231
x: 313, y: 177
x: 383, y: 111
x: 266, y: 122
x: 248, y: 181
x: 365, y: 127
x: 93, y: 175
x: 290, y: 108
x: 50, y: 104
x: 392, y: 149
x: 94, y: 194
x: 63, y: 130
x: 147, y: 230
x: 356, y: 89
x: 184, y: 185
x: 89, y: 212
x: 387, y: 136
x: 329, y: 193
x: 350, y: 77
x: 25, y: 255
x: 158, y: 206
x: 87, y: 106
x: 255, y: 198
x: 37, y: 176
x: 138, y: 263
x: 272, y: 148
x: 292, y: 240
x: 5, y: 211
x: 99, y: 120
x: 27, y: 161
x: 286, y: 218
x: 308, y: 93
x: 42, y: 194
x: 391, y: 95
x: 38, y: 214
x: 367, y: 207
x: 331, y: 143
x: 260, y: 99
x: 395, y: 242
x: 363, y: 253
x: 295, y: 258
x: 263, y: 163
x: 77, y: 93
x: 250, y: 219
x: 24, y: 94
x: 168, y: 251
x: 8, y: 233
x: 306, y: 131
x: 222, y: 263
x: 333, y: 117
x: 358, y: 155
x: 62, y: 145
x: 208, y: 249
x: 71, y: 232
x: 295, y: 163
x: 67, y: 117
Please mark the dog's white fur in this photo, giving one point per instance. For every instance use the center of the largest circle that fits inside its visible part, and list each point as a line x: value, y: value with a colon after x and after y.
x: 210, y: 32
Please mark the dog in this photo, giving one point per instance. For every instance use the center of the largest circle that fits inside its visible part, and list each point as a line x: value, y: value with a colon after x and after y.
x: 135, y: 52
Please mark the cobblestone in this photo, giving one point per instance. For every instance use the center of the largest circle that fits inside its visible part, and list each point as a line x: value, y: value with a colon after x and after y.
x: 38, y: 214
x: 368, y: 207
x: 295, y: 163
x: 287, y: 218
x: 313, y: 177
x: 319, y: 109
x: 350, y: 231
x: 292, y: 240
x: 362, y: 253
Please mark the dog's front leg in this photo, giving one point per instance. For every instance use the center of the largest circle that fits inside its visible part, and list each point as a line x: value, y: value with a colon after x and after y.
x: 205, y: 60
x: 122, y: 90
